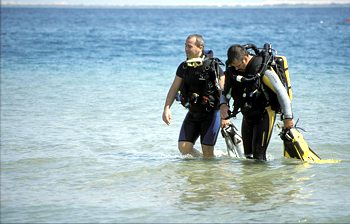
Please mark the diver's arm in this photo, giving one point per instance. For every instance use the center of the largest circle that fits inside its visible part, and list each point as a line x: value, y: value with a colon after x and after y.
x: 224, y: 101
x: 223, y: 112
x: 175, y: 86
x: 222, y: 82
x: 224, y: 106
x: 282, y: 96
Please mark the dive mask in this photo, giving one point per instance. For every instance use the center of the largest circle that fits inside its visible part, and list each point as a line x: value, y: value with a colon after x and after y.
x: 195, y: 62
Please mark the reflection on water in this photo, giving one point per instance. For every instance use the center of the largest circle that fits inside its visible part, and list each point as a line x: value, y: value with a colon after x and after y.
x: 241, y: 185
x: 206, y: 184
x: 256, y: 182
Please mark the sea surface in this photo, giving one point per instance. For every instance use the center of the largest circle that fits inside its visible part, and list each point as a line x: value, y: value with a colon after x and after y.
x: 82, y: 139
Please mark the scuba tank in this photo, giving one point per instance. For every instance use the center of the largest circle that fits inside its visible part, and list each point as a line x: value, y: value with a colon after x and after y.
x: 250, y: 84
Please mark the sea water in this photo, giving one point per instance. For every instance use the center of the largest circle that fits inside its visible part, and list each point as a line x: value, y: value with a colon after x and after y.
x: 82, y: 139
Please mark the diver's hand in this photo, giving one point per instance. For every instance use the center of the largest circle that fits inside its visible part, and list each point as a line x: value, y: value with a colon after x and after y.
x: 288, y: 123
x: 167, y: 116
x: 225, y: 122
x: 224, y: 108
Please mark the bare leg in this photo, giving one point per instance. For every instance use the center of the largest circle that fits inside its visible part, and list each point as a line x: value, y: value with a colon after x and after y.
x: 208, y: 151
x: 187, y: 148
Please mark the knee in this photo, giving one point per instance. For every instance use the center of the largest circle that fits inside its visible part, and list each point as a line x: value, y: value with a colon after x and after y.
x: 185, y: 147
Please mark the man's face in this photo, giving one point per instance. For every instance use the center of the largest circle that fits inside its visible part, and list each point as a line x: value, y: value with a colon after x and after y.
x: 192, y: 51
x: 240, y: 65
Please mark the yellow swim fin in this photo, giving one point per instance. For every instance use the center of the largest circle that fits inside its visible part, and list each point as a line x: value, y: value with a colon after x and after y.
x: 296, y: 147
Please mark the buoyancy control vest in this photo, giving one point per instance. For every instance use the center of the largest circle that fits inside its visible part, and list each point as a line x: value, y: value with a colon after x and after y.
x: 248, y: 91
x: 200, y: 89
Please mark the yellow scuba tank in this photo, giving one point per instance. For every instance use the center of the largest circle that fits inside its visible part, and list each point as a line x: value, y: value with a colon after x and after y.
x: 280, y: 66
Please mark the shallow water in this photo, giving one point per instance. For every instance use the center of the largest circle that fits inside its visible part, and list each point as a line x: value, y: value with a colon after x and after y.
x: 82, y: 140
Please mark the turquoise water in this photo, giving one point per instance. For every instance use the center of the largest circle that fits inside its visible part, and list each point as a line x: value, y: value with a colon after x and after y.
x: 82, y: 139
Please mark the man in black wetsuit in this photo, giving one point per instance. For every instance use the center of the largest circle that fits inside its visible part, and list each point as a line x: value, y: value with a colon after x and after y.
x: 199, y: 79
x: 254, y: 100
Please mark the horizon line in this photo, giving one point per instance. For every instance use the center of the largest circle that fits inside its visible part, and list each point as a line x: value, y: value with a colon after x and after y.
x: 64, y: 4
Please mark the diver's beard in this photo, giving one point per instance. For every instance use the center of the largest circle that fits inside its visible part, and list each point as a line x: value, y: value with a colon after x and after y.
x: 189, y: 56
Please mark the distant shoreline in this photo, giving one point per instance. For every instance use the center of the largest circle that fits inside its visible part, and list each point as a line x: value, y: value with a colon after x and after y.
x: 17, y: 5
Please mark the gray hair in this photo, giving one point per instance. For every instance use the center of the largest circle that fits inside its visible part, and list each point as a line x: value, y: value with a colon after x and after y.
x: 199, y: 39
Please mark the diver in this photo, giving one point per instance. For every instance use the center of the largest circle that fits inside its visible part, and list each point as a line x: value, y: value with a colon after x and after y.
x: 199, y: 79
x: 254, y: 86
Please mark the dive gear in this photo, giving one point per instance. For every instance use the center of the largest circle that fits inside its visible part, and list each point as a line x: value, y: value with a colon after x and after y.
x: 195, y: 62
x: 296, y: 147
x: 250, y: 87
x: 200, y: 90
x: 233, y: 141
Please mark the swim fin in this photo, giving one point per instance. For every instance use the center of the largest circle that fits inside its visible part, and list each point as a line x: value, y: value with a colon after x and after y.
x: 296, y: 147
x: 233, y: 141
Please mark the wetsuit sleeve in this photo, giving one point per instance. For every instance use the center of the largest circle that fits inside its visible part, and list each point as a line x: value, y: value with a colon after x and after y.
x: 271, y: 79
x: 180, y: 70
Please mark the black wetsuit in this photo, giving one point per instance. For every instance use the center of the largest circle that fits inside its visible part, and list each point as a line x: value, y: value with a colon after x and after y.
x: 258, y: 116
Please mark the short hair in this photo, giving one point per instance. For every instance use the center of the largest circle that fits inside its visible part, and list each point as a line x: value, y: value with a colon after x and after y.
x: 199, y: 39
x: 236, y: 52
